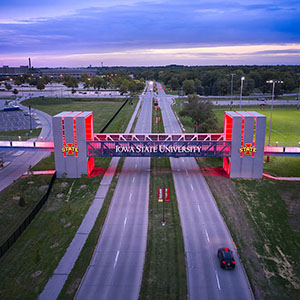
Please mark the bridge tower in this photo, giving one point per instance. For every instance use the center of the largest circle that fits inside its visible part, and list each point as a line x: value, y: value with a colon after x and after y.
x: 246, y: 131
x: 71, y: 132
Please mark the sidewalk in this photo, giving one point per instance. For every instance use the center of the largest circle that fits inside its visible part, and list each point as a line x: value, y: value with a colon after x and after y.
x: 65, y: 266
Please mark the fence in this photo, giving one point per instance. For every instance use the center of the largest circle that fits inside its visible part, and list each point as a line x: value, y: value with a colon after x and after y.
x: 16, y: 234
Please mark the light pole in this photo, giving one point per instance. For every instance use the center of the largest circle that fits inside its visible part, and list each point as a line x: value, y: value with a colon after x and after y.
x: 298, y: 97
x: 241, y: 95
x: 232, y: 74
x: 273, y: 90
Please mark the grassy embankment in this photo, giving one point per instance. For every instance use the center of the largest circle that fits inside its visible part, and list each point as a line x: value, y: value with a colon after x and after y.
x: 164, y: 274
x: 263, y: 217
x: 13, y: 135
x: 28, y: 265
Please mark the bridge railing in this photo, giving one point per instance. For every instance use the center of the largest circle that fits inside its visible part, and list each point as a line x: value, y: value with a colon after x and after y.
x: 158, y: 148
x: 159, y: 137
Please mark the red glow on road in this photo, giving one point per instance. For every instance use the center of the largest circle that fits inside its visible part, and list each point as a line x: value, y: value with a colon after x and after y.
x: 214, y: 172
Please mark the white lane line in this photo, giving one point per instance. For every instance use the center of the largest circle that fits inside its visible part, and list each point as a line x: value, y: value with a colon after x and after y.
x: 192, y: 187
x: 133, y: 179
x: 125, y: 221
x: 135, y: 165
x: 130, y: 197
x: 186, y: 171
x: 218, y: 282
x: 207, y: 235
x: 199, y: 208
x: 116, y: 258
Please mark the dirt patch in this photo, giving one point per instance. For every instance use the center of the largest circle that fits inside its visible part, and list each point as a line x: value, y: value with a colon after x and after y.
x: 73, y: 287
x: 60, y: 195
x: 43, y: 188
x: 30, y: 182
x: 64, y: 184
x: 292, y: 199
x: 37, y: 273
x: 16, y: 198
x: 83, y: 186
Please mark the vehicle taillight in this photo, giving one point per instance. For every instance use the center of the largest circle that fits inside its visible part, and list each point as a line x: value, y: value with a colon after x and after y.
x: 233, y: 262
x: 223, y: 262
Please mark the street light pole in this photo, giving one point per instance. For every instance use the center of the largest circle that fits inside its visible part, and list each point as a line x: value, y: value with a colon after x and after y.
x: 298, y: 97
x: 241, y: 95
x: 273, y: 91
x: 232, y: 74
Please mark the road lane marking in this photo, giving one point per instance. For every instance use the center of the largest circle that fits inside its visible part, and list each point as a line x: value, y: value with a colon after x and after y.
x: 116, y: 258
x: 133, y: 179
x: 192, y: 187
x: 130, y: 197
x: 207, y: 235
x: 186, y: 171
x: 218, y: 282
x: 199, y: 208
x: 125, y: 221
x: 135, y: 165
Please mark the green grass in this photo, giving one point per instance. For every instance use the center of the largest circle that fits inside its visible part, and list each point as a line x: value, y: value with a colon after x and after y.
x: 31, y: 189
x: 164, y: 274
x: 13, y: 135
x: 102, y: 111
x: 41, y: 250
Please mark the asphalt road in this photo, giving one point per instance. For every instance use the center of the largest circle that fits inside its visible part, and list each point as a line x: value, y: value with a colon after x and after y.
x: 204, y: 230
x: 20, y: 161
x: 116, y: 269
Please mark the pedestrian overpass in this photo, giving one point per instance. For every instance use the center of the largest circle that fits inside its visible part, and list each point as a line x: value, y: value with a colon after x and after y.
x: 75, y: 144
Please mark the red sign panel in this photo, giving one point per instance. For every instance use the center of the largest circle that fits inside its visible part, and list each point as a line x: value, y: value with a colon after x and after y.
x: 167, y: 195
x: 160, y: 195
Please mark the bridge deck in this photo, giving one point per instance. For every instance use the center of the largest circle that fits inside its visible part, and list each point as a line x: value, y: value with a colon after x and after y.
x: 148, y: 139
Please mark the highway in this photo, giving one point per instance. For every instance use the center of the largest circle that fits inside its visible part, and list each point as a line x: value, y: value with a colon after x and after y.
x: 116, y: 269
x: 21, y: 161
x: 204, y: 230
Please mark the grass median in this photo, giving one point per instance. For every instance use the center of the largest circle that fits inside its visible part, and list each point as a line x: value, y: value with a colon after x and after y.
x: 164, y: 274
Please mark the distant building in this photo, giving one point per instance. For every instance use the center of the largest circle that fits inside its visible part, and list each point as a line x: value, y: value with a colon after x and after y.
x: 13, y: 71
x: 74, y: 72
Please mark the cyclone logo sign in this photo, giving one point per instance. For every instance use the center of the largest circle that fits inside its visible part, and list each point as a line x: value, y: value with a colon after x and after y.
x: 69, y: 149
x: 248, y: 149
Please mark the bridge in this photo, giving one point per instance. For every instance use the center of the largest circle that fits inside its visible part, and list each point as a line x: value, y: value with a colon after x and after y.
x: 75, y: 145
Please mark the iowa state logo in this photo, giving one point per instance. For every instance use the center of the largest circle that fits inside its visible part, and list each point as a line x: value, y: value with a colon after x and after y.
x: 69, y: 149
x: 248, y: 149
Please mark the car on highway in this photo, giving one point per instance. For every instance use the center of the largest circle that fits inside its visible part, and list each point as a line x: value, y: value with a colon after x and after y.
x: 261, y: 99
x: 226, y: 258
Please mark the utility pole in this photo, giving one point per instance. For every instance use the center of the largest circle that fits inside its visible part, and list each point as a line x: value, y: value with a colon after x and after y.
x: 232, y: 74
x: 241, y: 94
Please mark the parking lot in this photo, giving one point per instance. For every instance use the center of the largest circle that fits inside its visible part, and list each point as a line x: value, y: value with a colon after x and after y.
x: 16, y: 120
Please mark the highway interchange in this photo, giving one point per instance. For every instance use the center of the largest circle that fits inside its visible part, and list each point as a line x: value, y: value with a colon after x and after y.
x: 116, y: 269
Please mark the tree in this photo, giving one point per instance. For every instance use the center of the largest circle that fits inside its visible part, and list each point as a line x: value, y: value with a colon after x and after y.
x: 8, y: 86
x: 188, y: 86
x: 40, y: 84
x: 173, y: 83
x: 201, y: 112
x: 98, y: 82
x: 15, y: 91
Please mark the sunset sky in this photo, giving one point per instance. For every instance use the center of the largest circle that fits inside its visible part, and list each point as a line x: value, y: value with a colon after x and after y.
x: 134, y: 33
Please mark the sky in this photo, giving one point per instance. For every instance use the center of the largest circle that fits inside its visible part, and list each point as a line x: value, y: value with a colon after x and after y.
x: 78, y: 33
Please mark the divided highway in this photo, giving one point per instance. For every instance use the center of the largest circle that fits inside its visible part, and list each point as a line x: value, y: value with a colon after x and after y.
x: 204, y: 230
x: 116, y: 269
